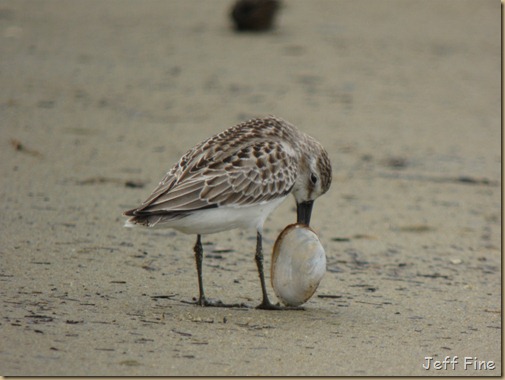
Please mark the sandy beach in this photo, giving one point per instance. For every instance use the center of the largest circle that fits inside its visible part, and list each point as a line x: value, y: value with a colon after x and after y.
x: 99, y: 99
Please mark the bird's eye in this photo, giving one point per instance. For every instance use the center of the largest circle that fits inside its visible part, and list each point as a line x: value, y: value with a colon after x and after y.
x: 313, y: 178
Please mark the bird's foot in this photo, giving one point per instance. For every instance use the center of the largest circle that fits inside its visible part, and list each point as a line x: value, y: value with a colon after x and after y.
x: 202, y: 301
x: 267, y: 305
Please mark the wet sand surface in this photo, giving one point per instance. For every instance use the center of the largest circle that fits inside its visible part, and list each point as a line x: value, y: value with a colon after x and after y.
x: 100, y: 98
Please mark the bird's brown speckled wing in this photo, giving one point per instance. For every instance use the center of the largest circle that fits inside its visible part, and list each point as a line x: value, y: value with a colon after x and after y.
x: 252, y: 174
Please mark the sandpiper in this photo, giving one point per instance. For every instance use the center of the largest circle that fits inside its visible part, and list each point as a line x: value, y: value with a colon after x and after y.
x: 235, y: 179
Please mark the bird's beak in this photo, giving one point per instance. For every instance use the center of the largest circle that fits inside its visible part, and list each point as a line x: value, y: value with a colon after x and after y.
x: 303, y: 212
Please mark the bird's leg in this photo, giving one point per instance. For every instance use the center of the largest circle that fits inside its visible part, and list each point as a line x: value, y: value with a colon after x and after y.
x: 265, y: 304
x: 202, y: 301
x: 199, y: 260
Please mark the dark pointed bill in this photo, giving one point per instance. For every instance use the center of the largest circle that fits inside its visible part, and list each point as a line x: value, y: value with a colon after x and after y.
x: 303, y: 211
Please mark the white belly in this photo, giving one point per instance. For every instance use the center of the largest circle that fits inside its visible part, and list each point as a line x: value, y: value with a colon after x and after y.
x: 220, y: 219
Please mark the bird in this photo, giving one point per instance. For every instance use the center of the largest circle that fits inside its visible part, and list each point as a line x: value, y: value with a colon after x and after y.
x: 254, y: 15
x: 235, y: 179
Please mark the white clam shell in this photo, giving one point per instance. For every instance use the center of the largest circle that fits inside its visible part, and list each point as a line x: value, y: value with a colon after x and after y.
x: 298, y: 264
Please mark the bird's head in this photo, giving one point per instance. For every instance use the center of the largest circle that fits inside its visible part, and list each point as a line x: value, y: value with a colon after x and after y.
x: 314, y: 179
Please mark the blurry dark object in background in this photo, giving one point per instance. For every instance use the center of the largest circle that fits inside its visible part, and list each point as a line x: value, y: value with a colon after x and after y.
x: 254, y: 15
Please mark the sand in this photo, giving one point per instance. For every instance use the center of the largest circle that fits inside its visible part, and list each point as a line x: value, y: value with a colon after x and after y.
x: 99, y: 98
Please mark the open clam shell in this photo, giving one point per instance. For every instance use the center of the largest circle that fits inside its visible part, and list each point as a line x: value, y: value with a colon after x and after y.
x: 298, y: 264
